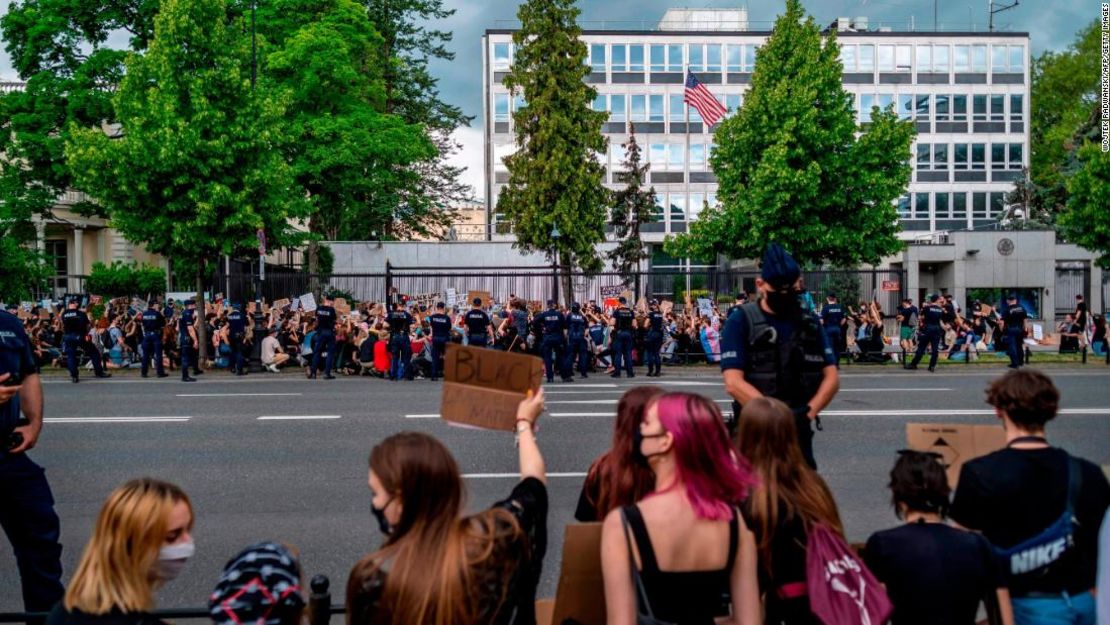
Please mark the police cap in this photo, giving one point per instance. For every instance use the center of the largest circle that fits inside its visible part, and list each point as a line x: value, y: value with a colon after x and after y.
x: 779, y: 267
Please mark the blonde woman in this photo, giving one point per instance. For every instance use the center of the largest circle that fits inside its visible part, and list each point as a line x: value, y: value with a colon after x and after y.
x: 141, y: 540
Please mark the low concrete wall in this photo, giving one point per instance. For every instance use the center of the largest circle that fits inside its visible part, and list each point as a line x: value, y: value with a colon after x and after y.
x: 370, y: 257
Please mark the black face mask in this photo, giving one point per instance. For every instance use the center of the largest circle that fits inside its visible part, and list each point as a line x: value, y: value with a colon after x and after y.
x: 785, y: 303
x: 379, y: 514
x: 638, y: 441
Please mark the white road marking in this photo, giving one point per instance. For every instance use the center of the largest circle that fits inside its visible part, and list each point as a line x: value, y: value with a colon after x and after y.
x: 577, y: 385
x: 422, y: 416
x: 879, y: 413
x: 116, y: 419
x: 304, y: 417
x: 493, y: 476
x: 239, y: 394
x: 892, y: 390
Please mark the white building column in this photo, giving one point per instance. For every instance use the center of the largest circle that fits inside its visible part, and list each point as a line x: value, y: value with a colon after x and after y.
x: 40, y: 235
x: 78, y: 263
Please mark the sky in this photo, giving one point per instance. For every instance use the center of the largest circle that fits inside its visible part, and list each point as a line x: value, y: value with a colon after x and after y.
x: 1051, y: 24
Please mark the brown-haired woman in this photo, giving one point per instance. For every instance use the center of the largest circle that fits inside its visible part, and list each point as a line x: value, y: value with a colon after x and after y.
x: 437, y: 566
x: 617, y: 478
x: 142, y: 539
x: 789, y: 498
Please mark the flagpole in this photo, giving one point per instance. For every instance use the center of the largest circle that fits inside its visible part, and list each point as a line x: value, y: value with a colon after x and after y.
x: 686, y: 168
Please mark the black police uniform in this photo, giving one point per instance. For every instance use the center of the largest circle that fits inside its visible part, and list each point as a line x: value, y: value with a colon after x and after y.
x: 153, y: 322
x: 477, y: 328
x: 553, y: 345
x: 653, y: 342
x: 1015, y: 334
x: 325, y: 341
x: 782, y: 358
x: 185, y: 342
x: 441, y: 334
x: 75, y: 327
x: 578, y: 351
x: 833, y: 317
x: 930, y: 316
x: 26, y: 503
x: 237, y: 332
x: 622, y: 342
x: 400, y: 348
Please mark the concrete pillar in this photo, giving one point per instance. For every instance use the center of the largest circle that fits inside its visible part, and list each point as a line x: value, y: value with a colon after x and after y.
x: 40, y: 236
x: 1096, y: 303
x: 78, y: 258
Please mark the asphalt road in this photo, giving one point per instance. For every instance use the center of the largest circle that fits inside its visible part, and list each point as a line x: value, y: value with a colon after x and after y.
x: 283, y: 458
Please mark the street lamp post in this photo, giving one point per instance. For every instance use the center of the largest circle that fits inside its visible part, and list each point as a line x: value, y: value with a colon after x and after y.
x: 555, y: 234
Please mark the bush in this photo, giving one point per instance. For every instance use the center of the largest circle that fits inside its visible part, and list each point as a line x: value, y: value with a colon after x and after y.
x: 119, y: 279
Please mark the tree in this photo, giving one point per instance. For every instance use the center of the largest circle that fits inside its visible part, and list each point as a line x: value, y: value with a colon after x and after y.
x: 1086, y: 221
x: 555, y: 177
x: 790, y: 167
x: 198, y: 166
x: 633, y: 206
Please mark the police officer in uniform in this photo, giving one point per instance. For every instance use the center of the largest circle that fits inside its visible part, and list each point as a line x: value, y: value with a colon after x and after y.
x: 325, y: 339
x: 578, y: 348
x: 1013, y: 323
x: 75, y: 325
x: 653, y: 342
x: 931, y: 316
x: 168, y: 311
x: 237, y: 333
x: 622, y: 341
x: 26, y: 503
x: 774, y: 348
x: 400, y: 348
x: 441, y: 334
x: 479, y: 326
x: 153, y: 322
x: 553, y: 344
x: 832, y: 319
x: 187, y: 340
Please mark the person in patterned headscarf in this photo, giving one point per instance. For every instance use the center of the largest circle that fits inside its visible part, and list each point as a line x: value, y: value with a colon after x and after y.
x: 260, y: 586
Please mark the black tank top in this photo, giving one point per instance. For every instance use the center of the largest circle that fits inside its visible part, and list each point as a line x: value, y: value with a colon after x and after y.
x: 687, y: 597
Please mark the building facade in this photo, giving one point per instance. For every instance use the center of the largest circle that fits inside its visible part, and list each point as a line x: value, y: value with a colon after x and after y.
x: 966, y: 92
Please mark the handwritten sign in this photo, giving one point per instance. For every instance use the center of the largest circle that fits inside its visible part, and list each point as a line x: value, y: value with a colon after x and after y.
x: 452, y: 297
x: 281, y: 303
x: 341, y: 306
x: 424, y: 299
x: 1038, y: 332
x: 308, y: 302
x: 483, y: 295
x: 483, y: 387
x: 705, y: 306
x: 611, y: 291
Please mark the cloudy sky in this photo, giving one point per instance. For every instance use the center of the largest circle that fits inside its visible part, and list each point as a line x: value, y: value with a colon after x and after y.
x: 1050, y: 23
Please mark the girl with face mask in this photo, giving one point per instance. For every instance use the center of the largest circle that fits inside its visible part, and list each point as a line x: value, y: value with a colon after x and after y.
x: 142, y: 539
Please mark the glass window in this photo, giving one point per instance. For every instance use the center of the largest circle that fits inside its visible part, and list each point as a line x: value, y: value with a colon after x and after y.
x: 500, y: 153
x: 696, y: 200
x: 1016, y: 112
x: 697, y: 57
x: 655, y: 108
x: 999, y: 61
x: 635, y: 58
x: 866, y: 101
x: 620, y: 57
x: 959, y: 108
x: 617, y: 112
x: 940, y: 59
x: 924, y: 58
x: 942, y: 206
x: 979, y: 156
x: 732, y: 58
x: 962, y: 58
x: 675, y: 58
x: 886, y: 58
x: 674, y: 158
x: 1015, y: 156
x: 922, y: 107
x: 979, y: 108
x: 518, y: 102
x: 940, y: 156
x: 924, y: 154
x: 921, y: 205
x: 942, y: 110
x: 697, y: 156
x: 903, y: 204
x: 866, y: 57
x: 905, y: 106
x: 998, y: 102
x: 979, y: 59
x: 885, y: 101
x: 902, y: 58
x: 749, y: 58
x: 732, y: 102
x: 998, y: 201
x: 601, y: 102
x: 678, y: 207
x: 711, y: 199
x: 500, y: 107
x: 959, y: 205
x: 501, y: 59
x: 658, y: 156
x: 848, y: 57
x: 998, y: 156
x: 658, y: 57
x: 597, y: 57
x: 1017, y: 59
x: 713, y: 57
x: 678, y: 108
x: 658, y: 211
x: 959, y: 156
x: 616, y: 154
x: 978, y: 205
x: 638, y: 111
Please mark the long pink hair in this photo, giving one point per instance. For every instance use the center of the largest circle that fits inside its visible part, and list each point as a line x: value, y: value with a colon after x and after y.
x: 716, y: 478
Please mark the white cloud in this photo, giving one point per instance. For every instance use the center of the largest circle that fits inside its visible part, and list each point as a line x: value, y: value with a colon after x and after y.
x: 472, y: 140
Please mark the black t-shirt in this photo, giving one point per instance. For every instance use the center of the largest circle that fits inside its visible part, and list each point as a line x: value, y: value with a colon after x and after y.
x: 931, y: 315
x: 933, y: 573
x: 325, y: 318
x: 1013, y: 495
x: 60, y: 616
x: 624, y: 317
x: 907, y: 314
x: 1081, y: 314
x: 477, y: 322
x: 1015, y: 319
x: 787, y: 565
x: 441, y: 325
x: 75, y: 322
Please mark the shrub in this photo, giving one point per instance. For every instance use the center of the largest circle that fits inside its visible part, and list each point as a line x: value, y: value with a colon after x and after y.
x: 120, y: 279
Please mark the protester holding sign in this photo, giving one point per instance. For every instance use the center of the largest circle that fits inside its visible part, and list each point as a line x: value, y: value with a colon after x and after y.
x: 437, y: 566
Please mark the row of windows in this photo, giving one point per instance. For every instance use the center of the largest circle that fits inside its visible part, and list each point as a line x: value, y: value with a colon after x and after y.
x: 952, y: 205
x: 944, y: 107
x: 968, y: 156
x: 739, y: 58
x: 649, y: 107
x: 682, y: 206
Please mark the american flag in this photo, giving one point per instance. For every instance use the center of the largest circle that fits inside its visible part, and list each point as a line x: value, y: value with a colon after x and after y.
x: 697, y: 96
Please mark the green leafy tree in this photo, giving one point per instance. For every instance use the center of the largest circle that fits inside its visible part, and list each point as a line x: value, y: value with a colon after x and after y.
x: 555, y: 177
x: 1086, y: 221
x: 198, y: 165
x: 633, y: 206
x: 790, y: 167
x: 21, y: 266
x: 119, y: 279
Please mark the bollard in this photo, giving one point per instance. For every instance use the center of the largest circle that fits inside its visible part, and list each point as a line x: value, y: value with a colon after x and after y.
x: 1084, y: 354
x: 319, y: 602
x: 1028, y: 354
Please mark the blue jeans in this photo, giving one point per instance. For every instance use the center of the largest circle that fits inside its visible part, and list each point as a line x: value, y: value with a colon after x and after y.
x: 400, y: 353
x: 1015, y: 347
x: 1063, y: 610
x: 835, y: 337
x: 72, y: 343
x: 152, y: 348
x: 325, y: 343
x: 552, y: 351
x: 28, y: 518
x: 439, y: 348
x: 652, y: 344
x: 578, y: 354
x: 622, y: 353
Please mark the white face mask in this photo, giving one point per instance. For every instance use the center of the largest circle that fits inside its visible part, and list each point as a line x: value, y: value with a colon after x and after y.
x: 171, y: 560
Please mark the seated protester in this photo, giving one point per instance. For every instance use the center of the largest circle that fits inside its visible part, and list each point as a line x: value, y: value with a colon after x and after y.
x: 261, y: 586
x: 142, y: 539
x: 421, y: 363
x: 437, y: 566
x: 677, y: 553
x: 789, y: 498
x: 382, y: 357
x: 934, y: 574
x: 1024, y: 498
x: 616, y: 478
x: 366, y: 351
x: 964, y: 340
x: 273, y: 356
x: 1069, y: 332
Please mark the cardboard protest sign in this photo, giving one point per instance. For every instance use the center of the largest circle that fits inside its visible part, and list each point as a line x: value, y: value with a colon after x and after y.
x: 956, y: 443
x: 281, y: 303
x: 627, y: 295
x: 44, y: 314
x: 705, y: 306
x: 666, y: 306
x: 611, y: 291
x: 341, y: 306
x: 482, y: 387
x: 484, y: 295
x: 1038, y: 332
x: 580, y: 597
x: 452, y: 297
x: 308, y: 302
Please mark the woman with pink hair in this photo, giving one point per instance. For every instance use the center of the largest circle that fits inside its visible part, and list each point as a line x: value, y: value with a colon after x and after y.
x: 677, y: 556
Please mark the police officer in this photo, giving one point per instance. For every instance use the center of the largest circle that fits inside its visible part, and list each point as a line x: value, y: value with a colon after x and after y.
x: 622, y: 342
x: 653, y: 342
x: 237, y: 333
x: 832, y: 319
x: 153, y: 322
x: 1013, y: 323
x: 75, y: 325
x: 931, y: 316
x: 325, y: 339
x: 400, y: 347
x: 26, y: 503
x: 479, y: 326
x: 441, y: 334
x: 187, y: 340
x: 553, y: 344
x: 168, y: 311
x: 773, y: 348
x: 578, y: 348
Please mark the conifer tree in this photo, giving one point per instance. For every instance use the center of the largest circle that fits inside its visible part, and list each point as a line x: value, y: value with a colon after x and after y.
x: 632, y: 207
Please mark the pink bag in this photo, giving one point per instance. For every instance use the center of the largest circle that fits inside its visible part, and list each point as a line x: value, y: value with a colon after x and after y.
x: 841, y: 589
